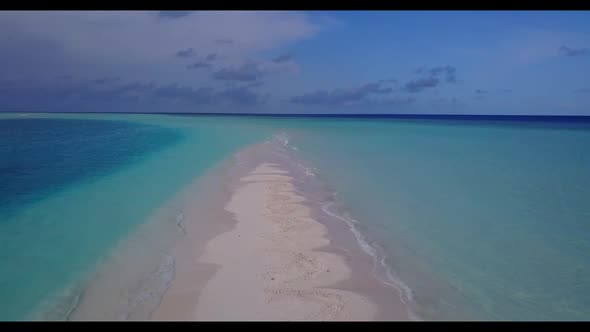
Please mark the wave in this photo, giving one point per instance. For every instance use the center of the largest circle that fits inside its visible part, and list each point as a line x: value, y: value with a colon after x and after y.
x: 59, y: 307
x: 381, y: 270
x: 379, y: 259
x: 74, y: 304
x: 141, y: 294
x: 179, y: 222
x: 284, y: 140
x: 149, y: 297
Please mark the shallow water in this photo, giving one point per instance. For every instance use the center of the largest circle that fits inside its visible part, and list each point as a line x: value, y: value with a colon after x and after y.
x: 472, y: 219
x: 482, y: 220
x: 74, y: 186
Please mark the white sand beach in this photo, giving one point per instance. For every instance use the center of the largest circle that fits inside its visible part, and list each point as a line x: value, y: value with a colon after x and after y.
x: 273, y: 265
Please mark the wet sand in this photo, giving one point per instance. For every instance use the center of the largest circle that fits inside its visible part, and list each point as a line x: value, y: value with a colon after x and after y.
x: 277, y: 263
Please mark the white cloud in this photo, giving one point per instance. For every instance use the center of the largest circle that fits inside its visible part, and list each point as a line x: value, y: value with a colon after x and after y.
x: 523, y: 46
x: 139, y: 39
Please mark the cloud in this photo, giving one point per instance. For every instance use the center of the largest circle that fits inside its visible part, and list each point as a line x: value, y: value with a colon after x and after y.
x: 235, y: 96
x: 186, y: 53
x: 255, y: 84
x: 172, y: 14
x: 205, y: 63
x: 88, y: 92
x: 242, y: 96
x: 133, y: 88
x: 145, y: 96
x: 282, y: 58
x: 96, y: 47
x: 253, y: 70
x: 442, y: 100
x: 199, y: 64
x: 447, y: 71
x: 247, y: 72
x: 91, y: 43
x: 204, y: 95
x: 527, y: 45
x: 313, y: 98
x: 568, y: 51
x: 431, y: 78
x: 212, y: 57
x: 480, y: 94
x: 420, y: 84
x: 341, y: 96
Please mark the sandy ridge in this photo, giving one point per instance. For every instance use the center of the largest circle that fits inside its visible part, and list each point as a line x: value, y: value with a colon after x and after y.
x: 270, y: 266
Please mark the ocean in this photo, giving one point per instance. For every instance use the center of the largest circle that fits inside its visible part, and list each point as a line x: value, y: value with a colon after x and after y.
x: 474, y: 219
x: 72, y: 187
x: 480, y: 219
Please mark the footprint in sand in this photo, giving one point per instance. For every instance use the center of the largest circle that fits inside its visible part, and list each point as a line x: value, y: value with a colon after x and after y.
x: 280, y: 186
x: 330, y: 303
x: 276, y: 242
x: 300, y: 264
x: 291, y: 224
x: 295, y: 224
x: 274, y: 218
x: 280, y: 198
x: 288, y: 224
x: 282, y: 208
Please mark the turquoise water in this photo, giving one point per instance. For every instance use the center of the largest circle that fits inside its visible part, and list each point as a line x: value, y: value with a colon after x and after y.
x: 480, y: 219
x: 73, y: 186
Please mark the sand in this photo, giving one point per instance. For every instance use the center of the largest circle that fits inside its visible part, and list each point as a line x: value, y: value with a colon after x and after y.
x: 269, y: 266
x: 258, y: 246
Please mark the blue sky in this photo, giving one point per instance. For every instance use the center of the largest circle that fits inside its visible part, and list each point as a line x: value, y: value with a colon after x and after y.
x: 468, y: 62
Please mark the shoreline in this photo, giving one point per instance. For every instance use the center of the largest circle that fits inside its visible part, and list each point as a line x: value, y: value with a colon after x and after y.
x: 369, y: 208
x: 291, y: 263
x: 128, y: 283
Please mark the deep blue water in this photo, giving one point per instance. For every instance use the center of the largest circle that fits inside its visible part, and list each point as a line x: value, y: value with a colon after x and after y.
x: 47, y: 237
x: 41, y: 156
x: 77, y: 188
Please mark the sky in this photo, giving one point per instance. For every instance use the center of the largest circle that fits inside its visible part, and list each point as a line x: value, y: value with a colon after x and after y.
x: 434, y: 62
